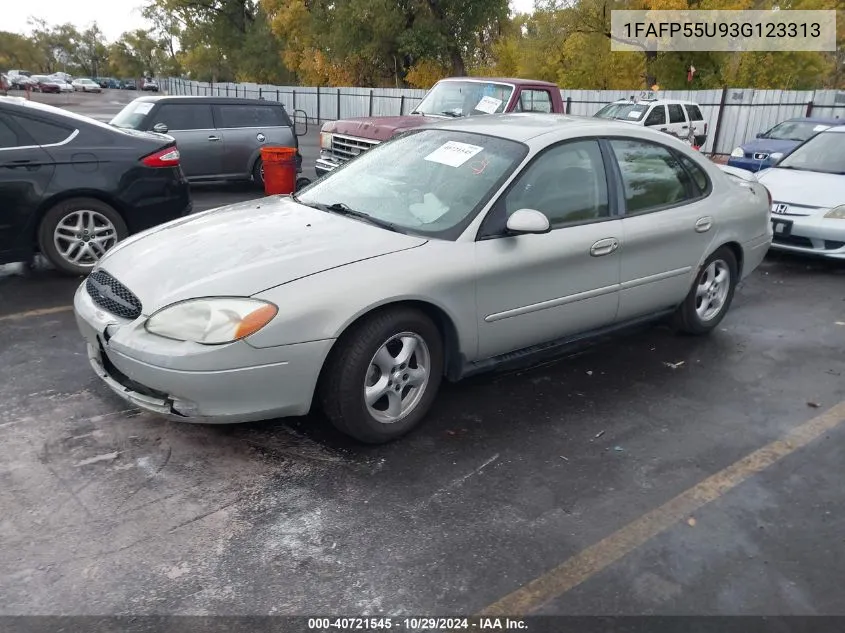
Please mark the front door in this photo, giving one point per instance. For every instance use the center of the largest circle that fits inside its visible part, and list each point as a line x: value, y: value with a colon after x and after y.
x: 25, y: 174
x: 200, y: 144
x: 667, y: 227
x: 537, y: 288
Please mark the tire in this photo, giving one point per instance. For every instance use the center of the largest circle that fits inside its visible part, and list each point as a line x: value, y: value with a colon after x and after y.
x: 105, y: 228
x: 257, y: 173
x: 697, y: 314
x: 700, y: 140
x: 352, y: 365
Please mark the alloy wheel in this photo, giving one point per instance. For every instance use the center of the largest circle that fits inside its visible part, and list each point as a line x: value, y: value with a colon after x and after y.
x: 82, y: 237
x: 397, y: 377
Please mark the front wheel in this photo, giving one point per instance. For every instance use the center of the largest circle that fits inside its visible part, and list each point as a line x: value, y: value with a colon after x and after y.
x: 258, y: 173
x: 76, y: 233
x: 711, y: 294
x: 383, y: 376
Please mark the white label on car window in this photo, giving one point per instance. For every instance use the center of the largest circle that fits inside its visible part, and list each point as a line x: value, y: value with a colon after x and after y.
x: 453, y: 153
x: 634, y: 114
x: 488, y: 105
x: 820, y: 128
x: 144, y: 107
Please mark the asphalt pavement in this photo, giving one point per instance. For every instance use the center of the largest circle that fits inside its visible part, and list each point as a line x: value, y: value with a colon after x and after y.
x: 649, y: 474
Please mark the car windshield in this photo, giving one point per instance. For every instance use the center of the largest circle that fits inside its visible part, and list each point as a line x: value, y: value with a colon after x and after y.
x: 132, y: 116
x: 463, y: 98
x: 609, y: 111
x: 629, y: 112
x: 795, y: 130
x: 823, y: 153
x: 425, y: 182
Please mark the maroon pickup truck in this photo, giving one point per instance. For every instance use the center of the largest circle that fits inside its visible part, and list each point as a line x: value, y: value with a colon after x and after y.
x: 343, y: 140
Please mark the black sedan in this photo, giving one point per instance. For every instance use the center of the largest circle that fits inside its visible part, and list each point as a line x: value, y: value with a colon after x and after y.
x: 72, y: 187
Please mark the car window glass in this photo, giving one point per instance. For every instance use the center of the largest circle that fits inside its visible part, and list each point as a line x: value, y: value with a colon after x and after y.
x: 184, y: 116
x: 43, y: 133
x: 657, y: 116
x: 651, y: 175
x: 676, y: 113
x: 697, y: 173
x: 567, y: 183
x: 534, y: 101
x: 8, y: 138
x: 249, y: 116
x: 693, y: 112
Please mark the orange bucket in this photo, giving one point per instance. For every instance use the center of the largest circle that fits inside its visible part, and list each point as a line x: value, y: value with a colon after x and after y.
x: 279, y: 169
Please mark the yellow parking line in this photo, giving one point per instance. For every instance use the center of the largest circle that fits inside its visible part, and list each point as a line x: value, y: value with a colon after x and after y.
x: 597, y: 557
x: 35, y: 313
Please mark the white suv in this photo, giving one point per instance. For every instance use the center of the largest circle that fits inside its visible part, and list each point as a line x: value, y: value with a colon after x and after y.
x: 679, y: 118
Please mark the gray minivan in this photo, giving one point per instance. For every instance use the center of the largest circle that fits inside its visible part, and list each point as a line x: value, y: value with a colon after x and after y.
x: 219, y: 138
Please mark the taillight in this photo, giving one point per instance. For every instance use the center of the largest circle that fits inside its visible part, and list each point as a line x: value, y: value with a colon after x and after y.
x: 167, y: 157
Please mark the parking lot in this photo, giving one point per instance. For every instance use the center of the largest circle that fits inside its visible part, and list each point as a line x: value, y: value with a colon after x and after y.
x: 650, y: 473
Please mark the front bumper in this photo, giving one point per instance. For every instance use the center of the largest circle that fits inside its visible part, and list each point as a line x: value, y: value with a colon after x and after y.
x: 325, y: 165
x: 222, y: 387
x: 810, y: 235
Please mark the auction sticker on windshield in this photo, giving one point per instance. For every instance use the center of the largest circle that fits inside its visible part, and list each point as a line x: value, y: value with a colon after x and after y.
x: 453, y: 153
x: 488, y: 105
x: 144, y: 108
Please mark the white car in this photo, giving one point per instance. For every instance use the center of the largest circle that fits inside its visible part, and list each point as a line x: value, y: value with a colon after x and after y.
x: 808, y: 196
x: 64, y: 85
x: 678, y: 118
x: 84, y: 84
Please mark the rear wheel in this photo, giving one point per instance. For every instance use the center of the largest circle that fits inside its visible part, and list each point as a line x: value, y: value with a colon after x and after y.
x: 711, y: 294
x: 76, y: 233
x: 258, y: 173
x: 383, y: 376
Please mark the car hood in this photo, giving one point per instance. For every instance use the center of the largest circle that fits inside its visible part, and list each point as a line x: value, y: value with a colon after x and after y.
x: 378, y: 128
x: 769, y: 145
x: 804, y: 188
x: 243, y: 249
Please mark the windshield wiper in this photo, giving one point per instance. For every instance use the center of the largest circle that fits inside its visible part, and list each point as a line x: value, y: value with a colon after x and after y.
x: 451, y: 113
x: 420, y: 112
x: 342, y: 208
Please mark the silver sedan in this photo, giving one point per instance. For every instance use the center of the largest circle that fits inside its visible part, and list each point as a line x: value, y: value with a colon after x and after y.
x: 444, y: 252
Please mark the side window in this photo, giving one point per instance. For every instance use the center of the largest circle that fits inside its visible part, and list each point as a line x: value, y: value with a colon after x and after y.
x: 43, y: 133
x: 8, y: 137
x: 534, y: 101
x: 699, y: 177
x: 657, y: 116
x: 651, y: 175
x: 693, y: 112
x: 566, y: 182
x: 184, y: 116
x: 676, y: 113
x: 233, y: 116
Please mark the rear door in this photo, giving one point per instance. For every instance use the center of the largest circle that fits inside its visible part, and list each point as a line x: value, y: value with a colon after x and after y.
x: 245, y: 128
x: 678, y: 124
x: 199, y: 143
x: 696, y: 120
x: 25, y: 174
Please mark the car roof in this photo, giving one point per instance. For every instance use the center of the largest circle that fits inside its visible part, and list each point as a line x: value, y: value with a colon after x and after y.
x: 665, y: 102
x: 817, y: 119
x: 524, y: 126
x: 504, y: 80
x: 200, y: 98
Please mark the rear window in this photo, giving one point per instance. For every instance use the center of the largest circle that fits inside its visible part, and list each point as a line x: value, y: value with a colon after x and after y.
x: 42, y: 132
x: 694, y: 112
x: 8, y: 138
x: 234, y: 116
x: 697, y: 174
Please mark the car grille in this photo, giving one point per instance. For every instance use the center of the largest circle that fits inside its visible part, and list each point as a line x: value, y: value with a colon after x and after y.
x: 111, y: 295
x: 345, y: 148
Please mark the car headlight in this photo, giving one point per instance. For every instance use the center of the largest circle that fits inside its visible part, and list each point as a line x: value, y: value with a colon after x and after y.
x: 326, y: 140
x: 212, y: 321
x: 737, y: 153
x: 837, y: 213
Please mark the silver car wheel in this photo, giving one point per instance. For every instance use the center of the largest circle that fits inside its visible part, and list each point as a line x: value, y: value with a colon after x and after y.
x: 83, y: 237
x: 714, y: 283
x: 397, y: 377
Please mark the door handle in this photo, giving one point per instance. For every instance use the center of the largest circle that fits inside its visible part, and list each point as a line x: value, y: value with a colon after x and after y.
x: 684, y: 127
x: 213, y: 138
x: 604, y: 247
x: 702, y: 225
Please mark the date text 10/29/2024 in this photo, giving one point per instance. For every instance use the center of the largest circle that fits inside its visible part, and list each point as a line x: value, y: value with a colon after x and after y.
x: 417, y: 624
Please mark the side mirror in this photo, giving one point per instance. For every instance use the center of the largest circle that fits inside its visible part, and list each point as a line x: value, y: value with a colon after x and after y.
x: 161, y: 128
x: 300, y: 122
x: 528, y: 221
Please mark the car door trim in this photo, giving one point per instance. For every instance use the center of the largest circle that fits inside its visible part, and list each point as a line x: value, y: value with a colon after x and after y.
x: 667, y: 274
x: 551, y: 303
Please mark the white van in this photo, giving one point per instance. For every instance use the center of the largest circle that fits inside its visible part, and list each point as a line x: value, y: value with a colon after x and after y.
x: 679, y: 118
